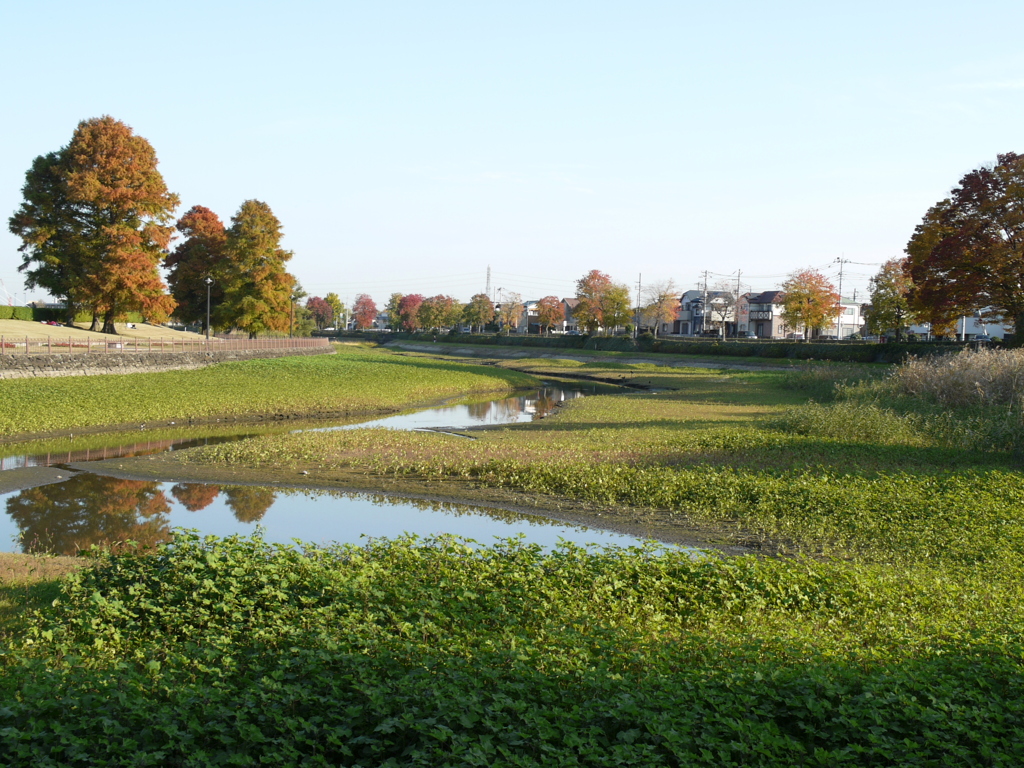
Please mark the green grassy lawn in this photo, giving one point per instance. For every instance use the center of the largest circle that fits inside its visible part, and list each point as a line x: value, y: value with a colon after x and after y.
x: 355, y: 380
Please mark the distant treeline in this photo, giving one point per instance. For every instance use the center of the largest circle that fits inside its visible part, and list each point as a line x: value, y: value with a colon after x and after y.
x: 889, y: 352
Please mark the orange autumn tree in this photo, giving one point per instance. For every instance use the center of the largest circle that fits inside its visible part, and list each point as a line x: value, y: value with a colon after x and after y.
x: 550, y: 312
x: 96, y: 221
x: 810, y: 300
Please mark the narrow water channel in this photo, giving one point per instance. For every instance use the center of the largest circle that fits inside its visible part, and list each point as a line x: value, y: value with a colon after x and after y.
x: 86, y: 509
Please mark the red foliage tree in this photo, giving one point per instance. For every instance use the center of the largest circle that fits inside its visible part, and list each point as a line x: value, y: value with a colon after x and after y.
x: 321, y: 311
x: 409, y: 310
x: 88, y: 509
x: 364, y: 311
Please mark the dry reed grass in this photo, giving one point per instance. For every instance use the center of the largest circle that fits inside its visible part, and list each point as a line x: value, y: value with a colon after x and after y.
x: 986, y: 377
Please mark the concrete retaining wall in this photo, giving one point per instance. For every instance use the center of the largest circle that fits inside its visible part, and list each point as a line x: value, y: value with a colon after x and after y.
x: 100, y: 363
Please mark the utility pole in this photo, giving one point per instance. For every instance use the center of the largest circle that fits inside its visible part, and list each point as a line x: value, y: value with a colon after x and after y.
x: 839, y: 323
x: 704, y: 306
x: 636, y: 316
x: 736, y: 306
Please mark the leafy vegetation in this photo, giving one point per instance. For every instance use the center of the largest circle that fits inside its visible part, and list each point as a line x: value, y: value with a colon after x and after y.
x: 848, y: 477
x: 355, y: 380
x: 893, y: 634
x: 437, y: 653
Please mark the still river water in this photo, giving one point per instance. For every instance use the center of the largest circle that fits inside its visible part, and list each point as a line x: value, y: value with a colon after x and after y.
x: 88, y: 509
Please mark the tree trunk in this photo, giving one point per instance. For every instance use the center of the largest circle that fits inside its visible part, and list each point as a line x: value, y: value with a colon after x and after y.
x: 95, y: 325
x: 1016, y: 339
x: 108, y: 323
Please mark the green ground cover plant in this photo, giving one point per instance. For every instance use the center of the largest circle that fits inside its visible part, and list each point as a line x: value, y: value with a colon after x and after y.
x: 434, y: 652
x: 846, y: 478
x: 356, y: 379
x: 890, y: 632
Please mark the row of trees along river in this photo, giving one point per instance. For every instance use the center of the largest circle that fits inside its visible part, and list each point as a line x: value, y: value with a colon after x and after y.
x: 97, y: 221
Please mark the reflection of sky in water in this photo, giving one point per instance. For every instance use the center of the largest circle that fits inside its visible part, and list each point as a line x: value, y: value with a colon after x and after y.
x: 506, y: 410
x: 509, y: 410
x: 87, y: 508
x: 146, y: 511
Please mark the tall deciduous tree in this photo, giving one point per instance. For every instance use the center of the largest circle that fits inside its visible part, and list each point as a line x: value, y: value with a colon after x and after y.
x: 810, y: 300
x: 968, y: 252
x: 550, y: 312
x: 409, y: 310
x: 616, y: 309
x: 394, y: 311
x: 602, y: 303
x: 195, y: 259
x: 511, y: 311
x: 96, y: 221
x: 257, y: 287
x: 320, y: 311
x: 662, y: 304
x: 54, y: 255
x: 339, y: 309
x: 479, y: 312
x: 364, y: 311
x: 439, y: 312
x: 890, y: 300
x: 590, y: 290
x: 721, y: 306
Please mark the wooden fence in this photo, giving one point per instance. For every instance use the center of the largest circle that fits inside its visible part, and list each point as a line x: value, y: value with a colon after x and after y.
x: 57, y: 345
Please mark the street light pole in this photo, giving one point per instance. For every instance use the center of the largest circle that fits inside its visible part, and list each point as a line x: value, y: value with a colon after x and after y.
x: 209, y: 282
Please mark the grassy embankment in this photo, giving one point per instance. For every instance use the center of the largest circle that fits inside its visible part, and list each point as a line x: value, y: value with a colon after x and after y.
x: 356, y: 380
x: 898, y: 642
x: 13, y: 330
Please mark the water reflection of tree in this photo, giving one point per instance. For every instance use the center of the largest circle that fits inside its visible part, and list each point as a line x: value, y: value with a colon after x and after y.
x: 478, y: 411
x: 195, y: 496
x: 88, y: 509
x: 249, y: 502
x: 545, y: 403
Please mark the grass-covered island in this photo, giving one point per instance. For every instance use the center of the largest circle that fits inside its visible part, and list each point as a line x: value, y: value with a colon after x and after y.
x: 879, y: 624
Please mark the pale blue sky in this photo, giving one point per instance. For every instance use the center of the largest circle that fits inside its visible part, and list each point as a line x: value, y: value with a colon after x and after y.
x: 406, y: 146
